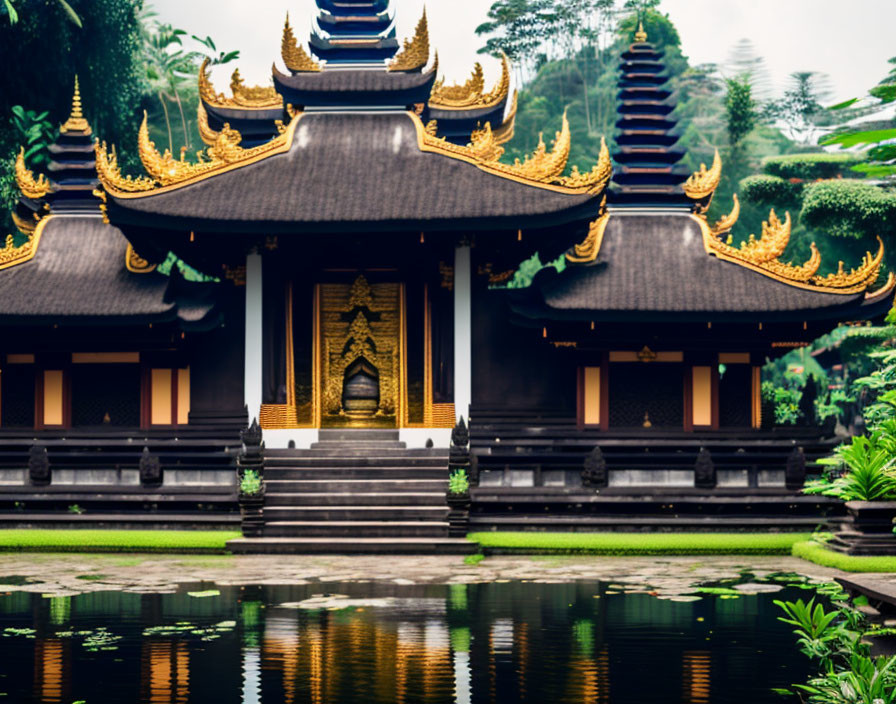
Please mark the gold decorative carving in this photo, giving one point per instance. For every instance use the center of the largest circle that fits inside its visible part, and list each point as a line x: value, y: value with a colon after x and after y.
x: 361, y: 322
x: 646, y: 355
x: 135, y: 263
x: 544, y: 167
x: 703, y: 183
x: 726, y: 222
x: 23, y: 225
x: 167, y: 172
x: 482, y: 144
x: 472, y: 93
x: 587, y: 250
x: 763, y: 255
x: 640, y: 35
x: 11, y: 255
x: 294, y: 56
x: 432, y: 128
x: 505, y: 131
x: 208, y: 135
x: 415, y: 52
x: 243, y: 96
x: 33, y: 188
x: 76, y: 121
x: 236, y: 274
x: 278, y: 415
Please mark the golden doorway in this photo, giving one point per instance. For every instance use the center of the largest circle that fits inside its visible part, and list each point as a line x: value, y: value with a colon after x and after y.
x: 360, y: 367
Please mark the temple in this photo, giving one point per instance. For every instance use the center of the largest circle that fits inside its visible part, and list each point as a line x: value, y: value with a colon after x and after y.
x: 334, y: 266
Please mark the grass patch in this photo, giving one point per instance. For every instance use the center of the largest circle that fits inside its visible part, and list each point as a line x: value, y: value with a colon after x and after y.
x: 163, y: 541
x: 640, y: 543
x: 474, y: 559
x: 820, y: 555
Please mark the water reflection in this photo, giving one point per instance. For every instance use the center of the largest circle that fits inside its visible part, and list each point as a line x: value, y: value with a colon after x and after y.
x: 513, y: 642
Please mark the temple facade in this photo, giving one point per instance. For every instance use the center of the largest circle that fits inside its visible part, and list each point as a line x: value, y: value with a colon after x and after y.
x: 336, y: 262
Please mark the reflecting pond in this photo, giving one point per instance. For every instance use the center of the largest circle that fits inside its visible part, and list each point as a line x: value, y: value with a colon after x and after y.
x: 385, y: 642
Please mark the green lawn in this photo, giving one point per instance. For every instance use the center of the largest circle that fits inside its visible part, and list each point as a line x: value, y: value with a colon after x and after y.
x: 641, y: 543
x: 74, y: 540
x: 820, y: 555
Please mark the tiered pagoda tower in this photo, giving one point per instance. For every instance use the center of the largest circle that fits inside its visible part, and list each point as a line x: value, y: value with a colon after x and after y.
x: 354, y: 33
x: 648, y: 172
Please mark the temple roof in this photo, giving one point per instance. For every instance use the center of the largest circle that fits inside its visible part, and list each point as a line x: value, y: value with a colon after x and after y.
x: 656, y: 267
x: 73, y: 270
x: 331, y: 171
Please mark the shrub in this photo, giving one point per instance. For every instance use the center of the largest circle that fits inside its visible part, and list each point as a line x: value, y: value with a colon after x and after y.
x: 811, y: 167
x: 250, y: 484
x: 869, y: 470
x: 458, y: 483
x: 848, y: 208
x: 770, y: 191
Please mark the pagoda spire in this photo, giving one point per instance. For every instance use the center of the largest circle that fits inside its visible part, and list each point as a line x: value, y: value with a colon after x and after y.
x: 76, y: 121
x: 353, y: 32
x: 648, y: 172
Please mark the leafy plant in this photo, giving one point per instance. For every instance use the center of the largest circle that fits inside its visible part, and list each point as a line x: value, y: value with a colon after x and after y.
x: 35, y: 133
x: 817, y: 630
x: 458, y: 483
x: 74, y: 508
x: 251, y: 483
x: 869, y: 476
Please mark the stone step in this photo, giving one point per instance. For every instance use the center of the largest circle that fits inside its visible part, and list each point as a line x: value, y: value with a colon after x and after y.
x: 367, y: 486
x: 355, y: 435
x: 352, y: 545
x: 366, y: 473
x: 350, y: 447
x: 353, y: 498
x: 378, y: 459
x: 633, y: 523
x: 378, y: 451
x: 356, y: 512
x: 356, y: 529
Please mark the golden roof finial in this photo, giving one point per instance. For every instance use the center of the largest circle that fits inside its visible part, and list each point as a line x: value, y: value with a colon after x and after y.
x: 76, y: 121
x: 415, y: 52
x: 32, y: 188
x: 703, y: 183
x: 640, y: 35
x: 294, y: 56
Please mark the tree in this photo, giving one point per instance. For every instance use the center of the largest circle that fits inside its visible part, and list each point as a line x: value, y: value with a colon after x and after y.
x: 800, y: 108
x: 744, y: 62
x: 9, y: 8
x: 740, y: 110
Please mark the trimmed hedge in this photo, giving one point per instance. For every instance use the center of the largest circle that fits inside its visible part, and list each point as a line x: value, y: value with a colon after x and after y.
x: 811, y: 167
x: 76, y: 540
x: 848, y: 208
x: 820, y: 555
x: 639, y: 543
x: 770, y: 191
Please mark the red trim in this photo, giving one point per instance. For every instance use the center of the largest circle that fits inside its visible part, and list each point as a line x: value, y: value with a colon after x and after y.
x: 174, y: 380
x: 145, y: 397
x: 714, y: 390
x: 688, y: 399
x: 605, y: 392
x: 66, y: 398
x: 580, y: 398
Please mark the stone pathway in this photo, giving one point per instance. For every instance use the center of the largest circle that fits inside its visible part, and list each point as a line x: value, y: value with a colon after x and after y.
x: 665, y: 577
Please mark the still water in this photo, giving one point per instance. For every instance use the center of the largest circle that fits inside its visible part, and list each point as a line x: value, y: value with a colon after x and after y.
x: 374, y: 642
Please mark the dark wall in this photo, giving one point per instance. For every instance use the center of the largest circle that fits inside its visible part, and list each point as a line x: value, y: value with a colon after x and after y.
x: 514, y: 368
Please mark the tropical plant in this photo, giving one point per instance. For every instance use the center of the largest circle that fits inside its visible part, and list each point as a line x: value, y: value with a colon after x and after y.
x: 869, y: 474
x: 35, y: 134
x: 865, y: 680
x: 9, y: 8
x: 817, y: 630
x: 458, y: 483
x: 251, y: 483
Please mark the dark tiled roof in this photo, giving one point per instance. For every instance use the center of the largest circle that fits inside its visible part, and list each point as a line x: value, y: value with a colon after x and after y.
x: 79, y: 275
x: 654, y: 266
x: 348, y: 169
x: 354, y: 87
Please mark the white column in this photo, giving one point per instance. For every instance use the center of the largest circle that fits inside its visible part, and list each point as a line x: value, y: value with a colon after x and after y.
x: 254, y: 339
x: 463, y: 333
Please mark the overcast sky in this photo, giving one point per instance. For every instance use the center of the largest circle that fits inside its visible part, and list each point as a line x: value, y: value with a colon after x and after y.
x: 849, y: 41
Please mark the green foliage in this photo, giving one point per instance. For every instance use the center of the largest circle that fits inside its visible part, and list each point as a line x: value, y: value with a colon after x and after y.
x: 35, y: 133
x: 642, y: 543
x: 818, y: 632
x: 861, y: 138
x: 880, y: 386
x: 740, y: 109
x: 770, y: 191
x: 74, y: 508
x: 55, y: 540
x: 863, y: 679
x: 848, y: 208
x: 868, y: 462
x: 458, y: 483
x: 251, y: 483
x: 816, y: 552
x: 811, y: 167
x: 800, y: 107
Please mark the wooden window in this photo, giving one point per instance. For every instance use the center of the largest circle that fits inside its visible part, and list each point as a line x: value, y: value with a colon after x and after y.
x: 183, y: 396
x: 53, y: 397
x: 169, y: 396
x: 592, y: 399
x: 701, y: 395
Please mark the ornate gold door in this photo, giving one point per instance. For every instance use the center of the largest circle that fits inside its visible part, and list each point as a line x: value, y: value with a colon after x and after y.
x: 361, y: 369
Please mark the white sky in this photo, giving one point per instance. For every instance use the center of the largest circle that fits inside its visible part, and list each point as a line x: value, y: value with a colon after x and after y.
x: 849, y: 41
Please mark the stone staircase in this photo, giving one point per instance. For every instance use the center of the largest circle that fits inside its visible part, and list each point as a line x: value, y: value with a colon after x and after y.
x: 355, y: 491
